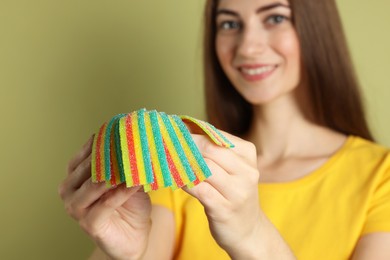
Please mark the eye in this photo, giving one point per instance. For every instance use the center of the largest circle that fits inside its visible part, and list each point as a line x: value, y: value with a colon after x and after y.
x: 276, y: 19
x: 229, y: 25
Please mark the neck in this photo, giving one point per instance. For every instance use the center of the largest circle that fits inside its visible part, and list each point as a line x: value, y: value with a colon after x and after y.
x: 279, y: 129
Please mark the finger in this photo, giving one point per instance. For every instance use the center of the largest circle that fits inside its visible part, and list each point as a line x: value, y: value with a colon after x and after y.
x: 207, y: 194
x: 80, y: 174
x: 241, y: 147
x: 107, y: 205
x: 229, y: 186
x: 80, y: 200
x: 220, y: 180
x: 76, y: 179
x: 81, y: 155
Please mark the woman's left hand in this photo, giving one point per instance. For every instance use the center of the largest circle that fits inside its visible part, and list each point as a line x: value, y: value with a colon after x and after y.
x: 230, y: 196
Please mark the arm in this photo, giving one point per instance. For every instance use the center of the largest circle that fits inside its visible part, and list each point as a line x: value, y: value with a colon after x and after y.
x: 373, y: 246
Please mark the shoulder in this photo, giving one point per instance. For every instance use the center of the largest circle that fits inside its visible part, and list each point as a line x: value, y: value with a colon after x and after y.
x: 357, y: 148
x: 363, y: 163
x: 359, y: 142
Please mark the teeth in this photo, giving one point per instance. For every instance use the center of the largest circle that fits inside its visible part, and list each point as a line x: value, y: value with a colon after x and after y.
x: 257, y: 71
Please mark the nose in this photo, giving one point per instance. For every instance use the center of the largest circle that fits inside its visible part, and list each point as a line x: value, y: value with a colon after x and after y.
x: 253, y: 41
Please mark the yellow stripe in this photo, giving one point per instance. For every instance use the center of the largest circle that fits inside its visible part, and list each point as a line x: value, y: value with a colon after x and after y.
x: 93, y: 159
x: 138, y: 149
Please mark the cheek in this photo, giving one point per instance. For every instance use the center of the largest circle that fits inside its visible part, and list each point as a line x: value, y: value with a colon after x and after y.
x: 224, y: 51
x: 288, y: 47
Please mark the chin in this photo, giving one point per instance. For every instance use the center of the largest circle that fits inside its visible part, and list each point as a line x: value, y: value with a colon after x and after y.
x: 264, y: 95
x: 257, y: 98
x: 260, y: 101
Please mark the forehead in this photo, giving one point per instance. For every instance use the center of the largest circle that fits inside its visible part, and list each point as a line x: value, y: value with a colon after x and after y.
x: 248, y: 4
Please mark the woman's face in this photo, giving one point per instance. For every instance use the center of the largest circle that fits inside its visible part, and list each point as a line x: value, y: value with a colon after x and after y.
x: 258, y: 48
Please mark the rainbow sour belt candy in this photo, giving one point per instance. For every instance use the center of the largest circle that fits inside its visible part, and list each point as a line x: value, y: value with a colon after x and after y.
x: 152, y: 149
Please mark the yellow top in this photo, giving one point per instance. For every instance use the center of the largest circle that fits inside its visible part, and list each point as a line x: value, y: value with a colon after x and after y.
x: 321, y: 216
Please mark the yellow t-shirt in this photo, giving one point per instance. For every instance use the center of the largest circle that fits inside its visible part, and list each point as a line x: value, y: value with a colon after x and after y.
x: 321, y: 216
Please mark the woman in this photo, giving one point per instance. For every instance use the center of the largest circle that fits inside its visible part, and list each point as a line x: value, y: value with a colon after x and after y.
x: 304, y: 180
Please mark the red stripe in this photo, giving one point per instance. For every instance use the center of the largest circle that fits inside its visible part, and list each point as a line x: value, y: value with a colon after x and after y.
x: 132, y: 156
x: 197, y: 181
x: 154, y: 184
x: 98, y: 154
x: 172, y: 168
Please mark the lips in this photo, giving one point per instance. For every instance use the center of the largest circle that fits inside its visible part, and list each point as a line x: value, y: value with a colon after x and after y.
x: 256, y: 72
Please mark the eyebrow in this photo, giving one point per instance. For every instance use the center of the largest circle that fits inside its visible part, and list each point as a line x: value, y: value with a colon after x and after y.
x: 261, y: 9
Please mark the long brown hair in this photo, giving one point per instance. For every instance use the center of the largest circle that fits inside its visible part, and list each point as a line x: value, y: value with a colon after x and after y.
x: 332, y: 85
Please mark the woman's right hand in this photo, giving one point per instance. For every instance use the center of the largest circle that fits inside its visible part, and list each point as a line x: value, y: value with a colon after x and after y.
x: 117, y: 219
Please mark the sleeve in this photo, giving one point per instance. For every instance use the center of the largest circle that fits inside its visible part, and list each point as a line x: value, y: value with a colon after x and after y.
x: 378, y: 215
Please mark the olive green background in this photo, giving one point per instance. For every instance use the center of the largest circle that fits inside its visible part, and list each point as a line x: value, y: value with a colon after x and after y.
x: 68, y: 66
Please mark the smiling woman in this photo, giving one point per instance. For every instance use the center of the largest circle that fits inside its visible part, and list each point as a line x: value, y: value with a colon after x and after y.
x: 260, y: 53
x: 305, y: 179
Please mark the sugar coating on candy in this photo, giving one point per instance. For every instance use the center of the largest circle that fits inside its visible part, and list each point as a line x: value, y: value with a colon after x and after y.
x: 152, y: 149
x: 211, y: 131
x: 178, y: 147
x: 96, y: 160
x: 145, y: 146
x: 125, y: 151
x: 173, y: 151
x: 118, y: 151
x: 158, y: 141
x: 114, y: 166
x: 194, y: 155
x: 107, y: 146
x: 156, y: 169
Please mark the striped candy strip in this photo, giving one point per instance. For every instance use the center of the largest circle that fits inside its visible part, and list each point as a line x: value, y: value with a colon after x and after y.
x: 210, y: 130
x: 152, y: 149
